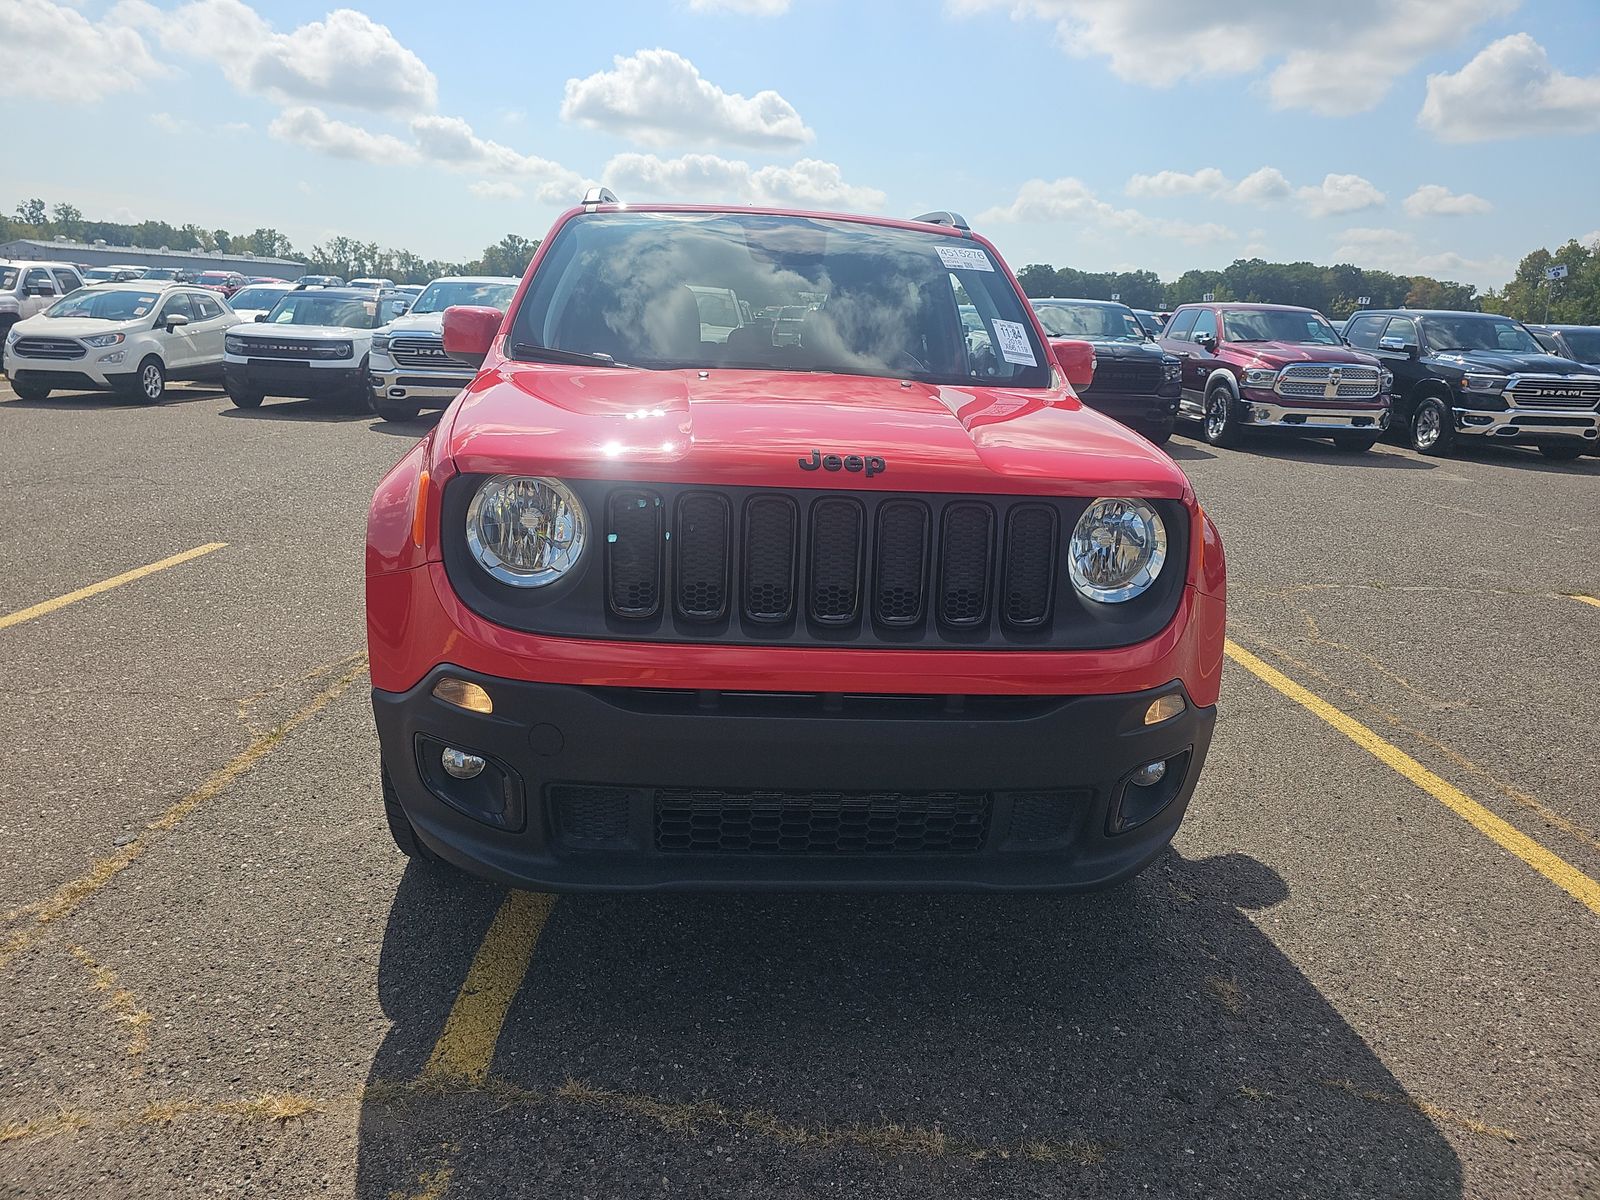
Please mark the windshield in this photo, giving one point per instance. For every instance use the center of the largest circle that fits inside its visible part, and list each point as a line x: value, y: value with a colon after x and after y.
x: 1585, y: 344
x: 832, y: 295
x: 319, y: 308
x: 1273, y: 325
x: 161, y: 273
x: 123, y: 305
x: 105, y: 273
x: 1467, y: 332
x: 443, y: 293
x: 1094, y: 321
x: 256, y: 297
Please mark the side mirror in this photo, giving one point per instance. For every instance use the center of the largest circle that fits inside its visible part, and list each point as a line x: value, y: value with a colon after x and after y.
x: 1075, y: 359
x: 41, y: 289
x: 175, y: 321
x: 261, y: 316
x: 399, y: 307
x: 1400, y: 345
x: 469, y: 332
x: 1206, y: 341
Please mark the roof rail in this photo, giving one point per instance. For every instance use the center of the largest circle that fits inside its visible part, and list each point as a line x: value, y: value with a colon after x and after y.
x: 599, y: 195
x: 954, y: 219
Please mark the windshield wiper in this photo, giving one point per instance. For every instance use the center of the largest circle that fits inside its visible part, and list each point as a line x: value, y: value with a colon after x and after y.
x: 531, y: 353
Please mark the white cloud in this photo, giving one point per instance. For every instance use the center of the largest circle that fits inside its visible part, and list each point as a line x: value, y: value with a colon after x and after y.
x: 749, y: 8
x: 659, y: 98
x: 1435, y: 200
x: 1321, y: 50
x: 1398, y: 251
x: 1071, y: 199
x: 346, y: 58
x: 1338, y: 194
x: 168, y: 123
x: 1590, y: 239
x: 1258, y: 187
x: 55, y: 51
x: 495, y: 189
x: 314, y: 129
x: 1509, y: 90
x: 809, y: 183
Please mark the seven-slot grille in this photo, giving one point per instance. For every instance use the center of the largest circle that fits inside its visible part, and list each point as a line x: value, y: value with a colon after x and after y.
x: 413, y: 351
x: 1572, y: 392
x: 1126, y: 375
x: 1328, y: 381
x: 48, y: 347
x: 770, y: 558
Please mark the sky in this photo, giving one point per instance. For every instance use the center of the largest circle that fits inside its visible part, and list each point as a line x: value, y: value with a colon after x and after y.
x: 1438, y: 137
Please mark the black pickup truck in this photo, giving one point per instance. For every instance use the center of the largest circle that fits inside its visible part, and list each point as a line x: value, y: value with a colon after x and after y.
x: 1135, y: 381
x: 1460, y: 375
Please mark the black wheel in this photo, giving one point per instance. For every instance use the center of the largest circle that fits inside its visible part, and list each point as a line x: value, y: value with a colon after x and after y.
x: 405, y: 837
x: 30, y: 391
x: 396, y: 410
x: 1431, y: 432
x: 1156, y: 435
x: 243, y: 397
x: 149, y: 383
x: 1220, y: 427
x: 1356, y: 443
x: 1561, y: 451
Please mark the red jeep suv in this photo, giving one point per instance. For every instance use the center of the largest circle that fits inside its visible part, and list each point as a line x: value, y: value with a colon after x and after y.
x: 658, y: 605
x: 1271, y: 368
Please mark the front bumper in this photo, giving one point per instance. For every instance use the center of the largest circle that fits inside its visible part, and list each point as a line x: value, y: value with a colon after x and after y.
x: 413, y: 385
x: 594, y: 787
x: 1530, y: 423
x: 1142, y: 410
x: 72, y: 374
x: 1264, y: 409
x: 293, y: 378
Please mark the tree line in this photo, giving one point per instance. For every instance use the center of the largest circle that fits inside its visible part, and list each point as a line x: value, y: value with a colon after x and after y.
x: 1335, y: 291
x: 338, y: 256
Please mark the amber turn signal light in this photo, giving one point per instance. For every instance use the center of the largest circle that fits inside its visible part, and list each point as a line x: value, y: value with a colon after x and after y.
x: 419, y: 513
x: 1162, y: 708
x: 464, y: 694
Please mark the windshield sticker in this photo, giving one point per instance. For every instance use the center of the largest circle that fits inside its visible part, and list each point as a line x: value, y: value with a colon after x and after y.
x: 370, y: 307
x: 964, y: 258
x: 141, y: 310
x: 1014, y: 347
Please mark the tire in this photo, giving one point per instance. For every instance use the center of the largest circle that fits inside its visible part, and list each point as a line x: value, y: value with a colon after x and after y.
x: 1560, y: 451
x: 30, y: 391
x: 405, y: 837
x: 1431, y: 431
x: 149, y: 383
x: 1157, y: 435
x: 1219, y: 426
x: 244, y: 398
x: 1356, y: 443
x: 396, y: 410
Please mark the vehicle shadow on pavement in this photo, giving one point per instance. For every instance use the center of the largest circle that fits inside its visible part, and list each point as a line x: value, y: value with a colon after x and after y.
x: 1146, y: 1040
x: 1187, y: 452
x: 1385, y: 457
x: 1527, y: 458
x: 413, y: 429
x: 299, y: 410
x: 82, y: 401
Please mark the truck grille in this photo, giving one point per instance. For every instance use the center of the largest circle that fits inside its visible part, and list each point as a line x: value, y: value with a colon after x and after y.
x: 1316, y: 381
x: 421, y: 352
x: 48, y: 347
x: 1555, y: 392
x: 707, y: 821
x: 1130, y: 376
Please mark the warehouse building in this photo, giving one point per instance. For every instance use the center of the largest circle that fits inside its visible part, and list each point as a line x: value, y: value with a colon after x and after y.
x: 99, y: 254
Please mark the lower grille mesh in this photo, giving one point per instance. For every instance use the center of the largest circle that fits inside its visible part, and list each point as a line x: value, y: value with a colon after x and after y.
x: 705, y: 821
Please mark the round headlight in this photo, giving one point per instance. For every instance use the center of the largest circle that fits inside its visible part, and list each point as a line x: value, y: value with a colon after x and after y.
x: 526, y: 532
x: 1117, y: 550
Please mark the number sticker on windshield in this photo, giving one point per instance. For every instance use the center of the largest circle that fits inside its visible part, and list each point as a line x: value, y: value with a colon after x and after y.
x: 964, y: 258
x: 1014, y: 347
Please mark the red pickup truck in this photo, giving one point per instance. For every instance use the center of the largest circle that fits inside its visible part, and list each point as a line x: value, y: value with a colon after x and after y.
x: 661, y: 607
x: 1275, y: 369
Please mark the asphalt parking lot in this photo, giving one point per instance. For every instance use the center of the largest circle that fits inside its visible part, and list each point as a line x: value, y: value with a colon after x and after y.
x: 1367, y: 967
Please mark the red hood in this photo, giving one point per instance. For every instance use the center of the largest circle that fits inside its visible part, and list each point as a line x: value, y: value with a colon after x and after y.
x: 1283, y: 353
x: 751, y: 428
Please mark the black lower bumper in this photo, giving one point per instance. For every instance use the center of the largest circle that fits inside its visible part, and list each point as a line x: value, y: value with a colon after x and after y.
x: 291, y: 379
x: 632, y: 788
x: 1144, y: 411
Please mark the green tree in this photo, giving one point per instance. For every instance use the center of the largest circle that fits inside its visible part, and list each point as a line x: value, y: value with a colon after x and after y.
x: 68, y: 220
x: 1037, y: 279
x: 32, y: 212
x: 509, y: 256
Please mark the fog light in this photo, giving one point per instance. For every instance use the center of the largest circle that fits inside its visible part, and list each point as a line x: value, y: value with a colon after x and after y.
x: 463, y: 695
x: 1163, y: 708
x: 1146, y: 776
x: 1263, y: 414
x: 460, y: 765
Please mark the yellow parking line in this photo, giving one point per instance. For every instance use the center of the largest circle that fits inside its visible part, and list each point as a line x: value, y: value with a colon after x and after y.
x: 465, y: 1048
x: 1586, y: 599
x: 105, y: 585
x: 1557, y: 870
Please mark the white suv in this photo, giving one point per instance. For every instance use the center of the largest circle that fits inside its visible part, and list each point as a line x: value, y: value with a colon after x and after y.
x: 313, y: 344
x: 125, y: 337
x: 30, y: 287
x: 409, y: 369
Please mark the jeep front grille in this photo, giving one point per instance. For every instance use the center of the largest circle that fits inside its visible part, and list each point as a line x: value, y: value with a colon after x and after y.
x: 1316, y: 381
x: 1554, y: 391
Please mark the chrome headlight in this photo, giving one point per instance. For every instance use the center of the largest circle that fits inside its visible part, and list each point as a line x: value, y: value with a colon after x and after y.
x: 1117, y: 550
x: 1263, y: 377
x: 380, y: 343
x: 1386, y: 380
x: 101, y: 340
x: 12, y: 335
x: 526, y: 532
x: 1171, y: 369
x: 1491, y: 385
